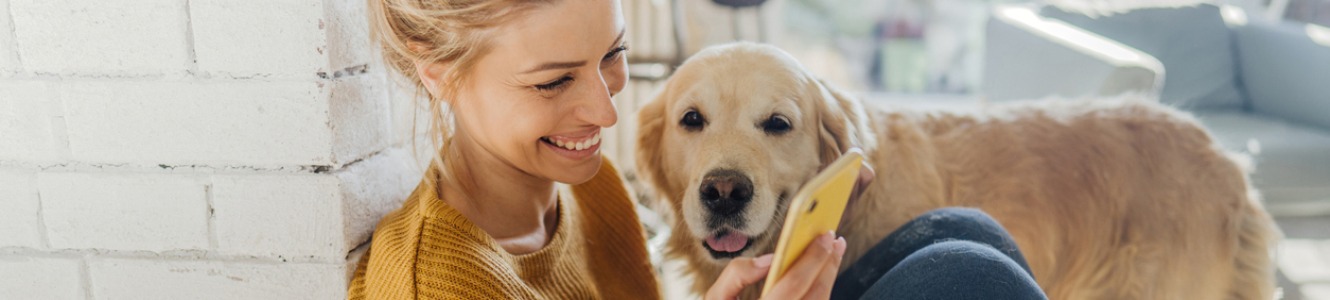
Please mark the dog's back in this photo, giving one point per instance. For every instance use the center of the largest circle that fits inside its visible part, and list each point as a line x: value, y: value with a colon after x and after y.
x: 1110, y: 199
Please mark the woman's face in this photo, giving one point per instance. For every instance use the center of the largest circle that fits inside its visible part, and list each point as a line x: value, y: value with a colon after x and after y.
x: 539, y: 99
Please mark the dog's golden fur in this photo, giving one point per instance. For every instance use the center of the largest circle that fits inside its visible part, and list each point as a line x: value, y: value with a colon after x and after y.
x: 1118, y: 198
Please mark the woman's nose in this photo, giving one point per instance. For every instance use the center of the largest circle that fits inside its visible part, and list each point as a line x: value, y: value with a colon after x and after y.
x: 598, y: 106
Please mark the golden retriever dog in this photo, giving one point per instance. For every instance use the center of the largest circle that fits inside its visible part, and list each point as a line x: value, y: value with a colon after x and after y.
x: 1117, y: 198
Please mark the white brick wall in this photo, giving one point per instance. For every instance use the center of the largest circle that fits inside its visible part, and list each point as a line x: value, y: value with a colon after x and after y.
x: 26, y: 113
x: 360, y: 117
x: 374, y: 187
x: 124, y: 211
x: 348, y: 41
x: 41, y: 278
x: 193, y: 149
x: 198, y: 122
x: 100, y: 38
x: 280, y: 38
x: 8, y: 50
x: 19, y: 222
x: 309, y: 204
x: 139, y: 279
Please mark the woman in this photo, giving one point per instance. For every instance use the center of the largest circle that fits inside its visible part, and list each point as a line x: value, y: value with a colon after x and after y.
x: 528, y: 85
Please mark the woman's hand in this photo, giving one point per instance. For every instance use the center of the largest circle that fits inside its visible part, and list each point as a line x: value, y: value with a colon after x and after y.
x: 811, y: 276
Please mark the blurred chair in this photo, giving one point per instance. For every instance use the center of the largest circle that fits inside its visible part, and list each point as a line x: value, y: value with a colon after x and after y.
x: 1261, y: 87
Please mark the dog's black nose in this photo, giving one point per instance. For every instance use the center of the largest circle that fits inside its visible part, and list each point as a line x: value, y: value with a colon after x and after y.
x: 726, y: 192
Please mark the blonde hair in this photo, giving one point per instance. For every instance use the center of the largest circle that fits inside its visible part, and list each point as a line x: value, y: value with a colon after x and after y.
x: 438, y: 31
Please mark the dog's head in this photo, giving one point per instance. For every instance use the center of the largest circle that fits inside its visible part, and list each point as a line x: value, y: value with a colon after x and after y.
x: 732, y: 136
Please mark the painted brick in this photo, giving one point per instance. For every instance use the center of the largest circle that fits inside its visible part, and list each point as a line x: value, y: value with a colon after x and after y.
x: 9, y: 63
x: 26, y: 122
x: 359, y: 114
x: 118, y: 37
x: 19, y: 222
x: 278, y: 38
x: 172, y: 279
x: 284, y: 216
x: 349, y: 43
x: 373, y: 187
x: 40, y: 278
x: 123, y: 211
x: 182, y: 123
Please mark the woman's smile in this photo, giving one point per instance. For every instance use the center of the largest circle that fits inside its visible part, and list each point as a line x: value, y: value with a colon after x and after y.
x: 574, y: 147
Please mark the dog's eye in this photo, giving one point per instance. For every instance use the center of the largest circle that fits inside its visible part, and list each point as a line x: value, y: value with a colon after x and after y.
x: 692, y: 120
x: 776, y: 124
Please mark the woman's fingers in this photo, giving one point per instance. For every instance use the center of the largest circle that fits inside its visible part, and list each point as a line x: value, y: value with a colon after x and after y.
x: 740, y: 273
x: 821, y: 289
x: 801, y: 276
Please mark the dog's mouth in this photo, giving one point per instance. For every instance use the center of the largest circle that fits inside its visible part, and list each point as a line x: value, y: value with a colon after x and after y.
x: 726, y: 244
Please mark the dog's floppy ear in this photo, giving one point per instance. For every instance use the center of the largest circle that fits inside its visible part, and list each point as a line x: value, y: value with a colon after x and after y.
x: 841, y: 121
x: 651, y: 124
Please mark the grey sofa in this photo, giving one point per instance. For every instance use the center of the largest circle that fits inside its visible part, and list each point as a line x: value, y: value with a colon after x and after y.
x: 1261, y: 87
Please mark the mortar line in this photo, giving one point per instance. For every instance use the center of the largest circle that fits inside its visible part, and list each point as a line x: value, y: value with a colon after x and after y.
x: 85, y: 275
x: 212, y: 217
x: 193, y: 57
x: 59, y: 119
x: 13, y: 33
x: 41, y: 218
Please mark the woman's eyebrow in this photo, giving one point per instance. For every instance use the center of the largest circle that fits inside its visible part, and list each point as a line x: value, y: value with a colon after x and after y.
x: 556, y: 65
x: 572, y: 64
x: 618, y: 39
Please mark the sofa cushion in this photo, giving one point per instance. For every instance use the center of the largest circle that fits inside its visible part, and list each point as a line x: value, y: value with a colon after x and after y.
x: 1286, y: 70
x: 1192, y: 42
x: 1292, y: 161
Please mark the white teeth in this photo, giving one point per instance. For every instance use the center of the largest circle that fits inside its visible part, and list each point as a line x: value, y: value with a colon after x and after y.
x: 577, y: 146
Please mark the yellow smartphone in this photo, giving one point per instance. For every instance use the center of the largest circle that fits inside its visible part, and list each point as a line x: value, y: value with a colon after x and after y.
x: 814, y: 210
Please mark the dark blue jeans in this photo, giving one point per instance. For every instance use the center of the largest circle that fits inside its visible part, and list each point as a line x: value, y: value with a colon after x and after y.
x: 948, y: 253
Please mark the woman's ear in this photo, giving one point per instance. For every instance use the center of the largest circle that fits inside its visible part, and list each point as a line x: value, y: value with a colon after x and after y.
x: 432, y: 76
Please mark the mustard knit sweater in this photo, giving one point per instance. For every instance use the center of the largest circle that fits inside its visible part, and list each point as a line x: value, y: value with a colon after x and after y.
x: 428, y: 250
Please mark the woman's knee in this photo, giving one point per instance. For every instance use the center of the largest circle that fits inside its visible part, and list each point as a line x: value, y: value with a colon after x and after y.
x: 959, y: 223
x: 957, y: 268
x: 959, y: 253
x: 958, y: 217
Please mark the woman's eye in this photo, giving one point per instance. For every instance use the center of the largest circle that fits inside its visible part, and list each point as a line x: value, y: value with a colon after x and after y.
x: 613, y: 55
x: 552, y: 85
x: 776, y: 124
x: 692, y: 120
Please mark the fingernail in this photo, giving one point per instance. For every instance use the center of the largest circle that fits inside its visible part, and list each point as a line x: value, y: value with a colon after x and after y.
x: 840, y: 246
x: 762, y: 261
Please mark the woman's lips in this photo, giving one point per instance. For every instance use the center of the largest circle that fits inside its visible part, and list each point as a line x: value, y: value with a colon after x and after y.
x: 573, y: 148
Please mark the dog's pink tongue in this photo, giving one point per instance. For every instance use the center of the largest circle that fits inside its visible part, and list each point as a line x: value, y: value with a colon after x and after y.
x: 728, y: 242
